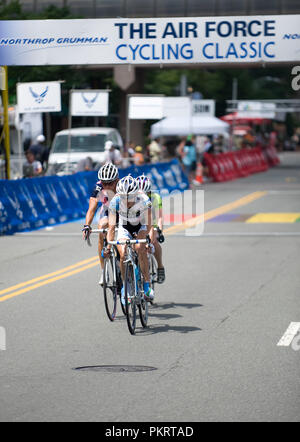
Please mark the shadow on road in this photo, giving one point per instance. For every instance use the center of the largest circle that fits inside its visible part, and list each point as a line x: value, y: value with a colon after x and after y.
x: 166, y: 328
x: 163, y: 316
x: 174, y: 305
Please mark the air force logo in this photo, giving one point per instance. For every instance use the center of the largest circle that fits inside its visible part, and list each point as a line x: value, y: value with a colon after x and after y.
x: 89, y: 102
x: 39, y: 98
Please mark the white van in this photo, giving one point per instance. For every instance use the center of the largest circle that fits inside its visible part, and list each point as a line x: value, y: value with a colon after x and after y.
x: 85, y: 142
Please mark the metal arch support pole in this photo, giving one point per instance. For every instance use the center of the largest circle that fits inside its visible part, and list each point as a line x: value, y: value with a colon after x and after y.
x: 127, y: 122
x: 69, y: 130
x: 6, y: 124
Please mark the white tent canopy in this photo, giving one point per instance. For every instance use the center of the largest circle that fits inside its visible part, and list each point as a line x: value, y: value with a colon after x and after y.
x: 183, y: 126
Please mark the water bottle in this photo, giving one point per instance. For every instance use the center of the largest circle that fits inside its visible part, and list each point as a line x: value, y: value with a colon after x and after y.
x: 137, y: 276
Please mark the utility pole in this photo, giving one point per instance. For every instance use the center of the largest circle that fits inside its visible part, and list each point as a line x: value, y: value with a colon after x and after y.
x: 4, y: 86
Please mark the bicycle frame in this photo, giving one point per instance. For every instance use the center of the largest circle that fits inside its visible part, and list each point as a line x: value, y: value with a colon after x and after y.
x: 131, y: 257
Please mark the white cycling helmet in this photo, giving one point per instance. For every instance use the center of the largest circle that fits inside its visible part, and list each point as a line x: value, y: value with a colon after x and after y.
x: 144, y: 183
x: 108, y: 172
x: 108, y: 145
x: 127, y: 186
x: 40, y: 139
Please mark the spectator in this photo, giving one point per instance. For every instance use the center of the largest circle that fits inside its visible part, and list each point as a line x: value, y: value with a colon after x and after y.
x: 112, y: 155
x: 85, y: 165
x: 32, y: 167
x: 131, y: 149
x: 208, y: 146
x: 180, y: 148
x: 190, y: 160
x: 249, y: 140
x: 39, y: 150
x: 127, y: 160
x: 155, y: 150
x: 139, y: 159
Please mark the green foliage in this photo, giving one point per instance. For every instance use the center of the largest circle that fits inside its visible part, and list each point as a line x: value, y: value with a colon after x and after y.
x: 11, y: 11
x: 255, y: 83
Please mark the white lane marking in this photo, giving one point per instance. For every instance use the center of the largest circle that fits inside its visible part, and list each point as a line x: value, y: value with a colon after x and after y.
x: 289, y: 335
x: 233, y: 234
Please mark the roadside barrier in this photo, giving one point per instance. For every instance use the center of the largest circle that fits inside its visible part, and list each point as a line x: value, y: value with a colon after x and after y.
x: 242, y: 163
x: 29, y: 204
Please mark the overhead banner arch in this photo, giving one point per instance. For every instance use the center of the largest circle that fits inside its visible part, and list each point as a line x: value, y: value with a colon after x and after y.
x: 151, y: 41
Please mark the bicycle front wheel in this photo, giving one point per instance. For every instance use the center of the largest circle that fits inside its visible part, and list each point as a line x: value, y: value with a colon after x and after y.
x: 130, y: 297
x: 110, y: 289
x: 143, y: 311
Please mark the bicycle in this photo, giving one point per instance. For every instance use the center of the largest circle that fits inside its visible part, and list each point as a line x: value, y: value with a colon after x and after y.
x: 133, y: 285
x: 112, y: 280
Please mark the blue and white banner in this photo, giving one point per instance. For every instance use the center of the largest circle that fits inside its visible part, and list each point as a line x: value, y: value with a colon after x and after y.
x: 30, y: 204
x: 88, y: 102
x: 203, y: 40
x: 39, y: 97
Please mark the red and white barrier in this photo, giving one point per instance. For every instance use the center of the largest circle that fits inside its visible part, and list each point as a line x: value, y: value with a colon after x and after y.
x: 232, y: 165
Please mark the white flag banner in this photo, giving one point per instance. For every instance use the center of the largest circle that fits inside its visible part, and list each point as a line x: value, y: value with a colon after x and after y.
x: 256, y: 109
x: 39, y: 97
x: 94, y: 103
x: 177, y: 107
x: 203, y: 108
x: 145, y: 107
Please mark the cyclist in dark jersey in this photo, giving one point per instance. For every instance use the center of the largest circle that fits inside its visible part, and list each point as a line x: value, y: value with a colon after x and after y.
x: 103, y: 192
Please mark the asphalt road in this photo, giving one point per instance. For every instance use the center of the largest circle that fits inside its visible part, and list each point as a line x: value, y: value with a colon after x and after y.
x: 229, y: 297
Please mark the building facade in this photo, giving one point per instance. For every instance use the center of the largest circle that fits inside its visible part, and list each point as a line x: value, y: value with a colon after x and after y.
x: 166, y: 8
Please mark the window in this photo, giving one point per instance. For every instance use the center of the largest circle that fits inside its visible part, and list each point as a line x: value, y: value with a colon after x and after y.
x: 170, y: 8
x: 80, y: 143
x: 227, y: 7
x: 264, y: 7
x: 27, y: 5
x: 201, y: 7
x: 40, y: 6
x: 138, y: 8
x: 84, y: 8
x: 290, y: 6
x: 109, y: 8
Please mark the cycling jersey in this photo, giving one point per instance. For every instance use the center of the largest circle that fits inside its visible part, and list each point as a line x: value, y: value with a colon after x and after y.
x: 132, y: 219
x: 99, y: 194
x: 156, y: 202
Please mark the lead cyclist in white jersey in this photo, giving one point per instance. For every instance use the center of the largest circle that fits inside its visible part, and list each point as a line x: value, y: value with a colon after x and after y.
x: 135, y: 219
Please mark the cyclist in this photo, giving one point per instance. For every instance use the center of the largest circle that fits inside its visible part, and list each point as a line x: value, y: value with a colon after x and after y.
x: 134, y: 210
x: 104, y: 192
x: 157, y: 236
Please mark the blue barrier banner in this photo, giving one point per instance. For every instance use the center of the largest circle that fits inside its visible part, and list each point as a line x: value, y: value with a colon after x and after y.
x: 30, y: 204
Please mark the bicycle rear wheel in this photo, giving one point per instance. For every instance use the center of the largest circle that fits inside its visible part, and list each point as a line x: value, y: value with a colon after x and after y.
x: 153, y: 274
x: 130, y: 297
x: 110, y: 289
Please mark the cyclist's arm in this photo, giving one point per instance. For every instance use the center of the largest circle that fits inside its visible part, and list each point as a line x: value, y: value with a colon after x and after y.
x: 112, y: 221
x: 160, y: 222
x: 149, y: 220
x: 93, y: 204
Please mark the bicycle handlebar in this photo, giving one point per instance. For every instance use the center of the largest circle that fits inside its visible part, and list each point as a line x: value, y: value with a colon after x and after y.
x: 127, y: 242
x: 99, y: 231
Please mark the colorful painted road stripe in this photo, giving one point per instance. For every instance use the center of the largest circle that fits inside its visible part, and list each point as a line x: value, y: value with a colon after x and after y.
x: 258, y: 218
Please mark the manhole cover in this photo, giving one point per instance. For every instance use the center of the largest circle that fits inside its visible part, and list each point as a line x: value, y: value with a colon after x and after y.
x: 116, y: 368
